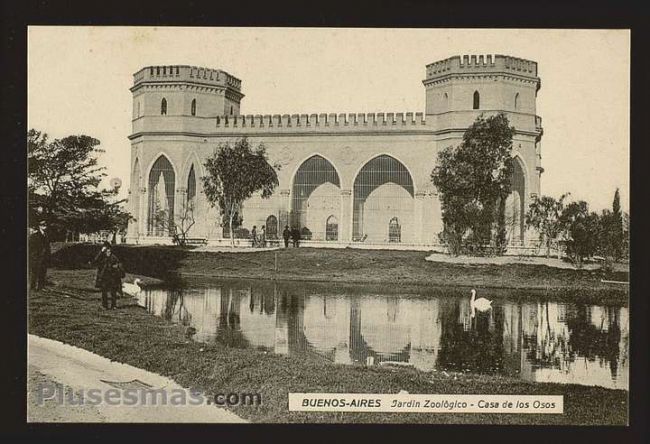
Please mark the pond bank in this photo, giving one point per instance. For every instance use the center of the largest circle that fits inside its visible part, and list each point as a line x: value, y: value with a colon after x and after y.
x: 389, y: 269
x: 132, y: 336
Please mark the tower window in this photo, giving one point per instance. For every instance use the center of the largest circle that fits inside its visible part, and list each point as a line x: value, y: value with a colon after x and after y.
x: 163, y: 107
x: 517, y: 101
x: 477, y: 100
x: 231, y: 110
x: 138, y: 112
x: 193, y: 107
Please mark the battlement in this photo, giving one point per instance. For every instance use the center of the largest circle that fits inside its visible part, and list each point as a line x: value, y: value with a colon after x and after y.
x: 298, y: 121
x: 480, y: 64
x: 185, y: 73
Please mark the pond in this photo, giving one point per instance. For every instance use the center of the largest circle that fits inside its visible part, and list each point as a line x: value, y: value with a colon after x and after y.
x: 531, y: 338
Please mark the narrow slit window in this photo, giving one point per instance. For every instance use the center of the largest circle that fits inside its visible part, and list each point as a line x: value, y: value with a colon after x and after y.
x: 477, y: 100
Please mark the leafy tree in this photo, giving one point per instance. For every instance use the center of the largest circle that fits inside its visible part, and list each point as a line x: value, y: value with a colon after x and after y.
x: 234, y: 174
x: 583, y: 231
x: 544, y: 215
x: 62, y: 182
x: 474, y: 180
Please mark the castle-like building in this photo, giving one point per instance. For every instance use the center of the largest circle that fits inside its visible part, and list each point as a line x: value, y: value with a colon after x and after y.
x: 345, y: 179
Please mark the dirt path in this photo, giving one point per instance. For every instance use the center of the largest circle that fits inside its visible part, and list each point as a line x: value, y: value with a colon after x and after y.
x: 76, y: 370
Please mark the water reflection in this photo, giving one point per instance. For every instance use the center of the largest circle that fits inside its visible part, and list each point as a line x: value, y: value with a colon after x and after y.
x: 537, y: 341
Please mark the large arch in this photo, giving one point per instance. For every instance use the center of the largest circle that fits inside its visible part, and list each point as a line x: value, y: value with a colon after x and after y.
x: 383, y: 190
x: 315, y: 195
x: 515, y: 203
x: 162, y: 187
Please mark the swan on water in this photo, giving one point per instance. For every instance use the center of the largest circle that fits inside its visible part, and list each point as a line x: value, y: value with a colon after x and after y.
x: 131, y: 289
x: 480, y: 304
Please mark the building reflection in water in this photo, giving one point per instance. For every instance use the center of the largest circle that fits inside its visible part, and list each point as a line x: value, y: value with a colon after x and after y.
x: 537, y: 341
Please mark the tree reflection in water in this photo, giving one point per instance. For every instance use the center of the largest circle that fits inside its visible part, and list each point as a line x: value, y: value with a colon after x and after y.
x: 544, y: 340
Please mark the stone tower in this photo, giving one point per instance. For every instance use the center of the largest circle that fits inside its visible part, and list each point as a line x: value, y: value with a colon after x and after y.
x: 459, y: 89
x: 185, y: 91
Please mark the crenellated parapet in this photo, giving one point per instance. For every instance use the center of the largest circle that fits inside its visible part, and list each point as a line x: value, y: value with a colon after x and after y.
x: 325, y: 121
x: 466, y: 64
x: 186, y: 74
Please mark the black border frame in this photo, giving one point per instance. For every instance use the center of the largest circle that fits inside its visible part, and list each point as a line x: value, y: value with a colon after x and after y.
x: 407, y: 14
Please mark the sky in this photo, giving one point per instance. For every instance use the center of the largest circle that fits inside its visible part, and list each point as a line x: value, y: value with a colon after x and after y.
x: 79, y: 80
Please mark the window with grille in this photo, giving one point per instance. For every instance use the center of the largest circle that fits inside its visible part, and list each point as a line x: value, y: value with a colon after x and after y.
x: 332, y: 229
x: 271, y: 227
x: 316, y: 194
x: 383, y: 190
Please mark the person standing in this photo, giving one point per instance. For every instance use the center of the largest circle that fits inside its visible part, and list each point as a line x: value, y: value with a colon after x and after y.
x: 295, y: 236
x: 109, y: 275
x: 254, y: 235
x: 286, y: 234
x: 39, y: 257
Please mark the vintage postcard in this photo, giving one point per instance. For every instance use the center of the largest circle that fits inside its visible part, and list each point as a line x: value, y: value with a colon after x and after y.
x: 328, y: 225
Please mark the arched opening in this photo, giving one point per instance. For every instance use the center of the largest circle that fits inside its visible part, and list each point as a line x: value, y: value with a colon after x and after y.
x: 193, y: 107
x: 394, y: 230
x: 514, y: 211
x: 316, y: 194
x: 332, y: 229
x: 516, y: 101
x: 383, y: 190
x: 161, y: 197
x: 163, y: 107
x: 271, y: 227
x: 477, y: 100
x: 191, y: 185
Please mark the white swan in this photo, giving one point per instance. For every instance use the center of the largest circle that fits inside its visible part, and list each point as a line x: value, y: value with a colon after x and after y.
x: 480, y: 304
x: 132, y: 289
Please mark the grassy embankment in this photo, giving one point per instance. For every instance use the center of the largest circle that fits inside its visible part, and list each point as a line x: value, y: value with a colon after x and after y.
x: 69, y: 311
x: 389, y: 270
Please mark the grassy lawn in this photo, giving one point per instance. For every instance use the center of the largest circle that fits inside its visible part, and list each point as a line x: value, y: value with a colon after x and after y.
x: 391, y: 270
x: 69, y: 311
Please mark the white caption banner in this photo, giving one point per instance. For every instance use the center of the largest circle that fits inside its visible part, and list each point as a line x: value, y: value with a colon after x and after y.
x: 414, y: 403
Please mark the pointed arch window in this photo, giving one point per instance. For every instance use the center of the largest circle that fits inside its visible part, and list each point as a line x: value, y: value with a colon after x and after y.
x: 193, y: 107
x: 332, y: 228
x: 477, y: 100
x: 163, y: 107
x: 394, y: 230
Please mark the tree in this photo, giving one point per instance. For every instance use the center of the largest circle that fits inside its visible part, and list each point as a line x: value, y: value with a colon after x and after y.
x: 582, y: 231
x: 180, y: 227
x: 615, y: 228
x: 62, y: 182
x: 474, y: 180
x: 234, y: 174
x: 544, y: 215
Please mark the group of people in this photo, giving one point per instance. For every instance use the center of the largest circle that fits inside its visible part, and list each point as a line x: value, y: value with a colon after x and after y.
x: 109, y: 268
x: 293, y: 234
x: 258, y: 241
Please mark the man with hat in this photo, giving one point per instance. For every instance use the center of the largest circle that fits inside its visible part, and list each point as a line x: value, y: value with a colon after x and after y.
x: 109, y: 275
x: 39, y: 256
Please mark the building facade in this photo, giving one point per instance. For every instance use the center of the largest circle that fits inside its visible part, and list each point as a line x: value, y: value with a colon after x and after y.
x: 345, y: 179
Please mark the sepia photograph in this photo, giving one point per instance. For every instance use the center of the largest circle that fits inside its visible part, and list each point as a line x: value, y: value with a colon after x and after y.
x: 328, y: 225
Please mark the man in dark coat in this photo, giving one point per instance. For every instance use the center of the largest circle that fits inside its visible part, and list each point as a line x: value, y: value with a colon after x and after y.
x: 295, y: 236
x: 286, y: 234
x: 39, y: 257
x: 109, y: 275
